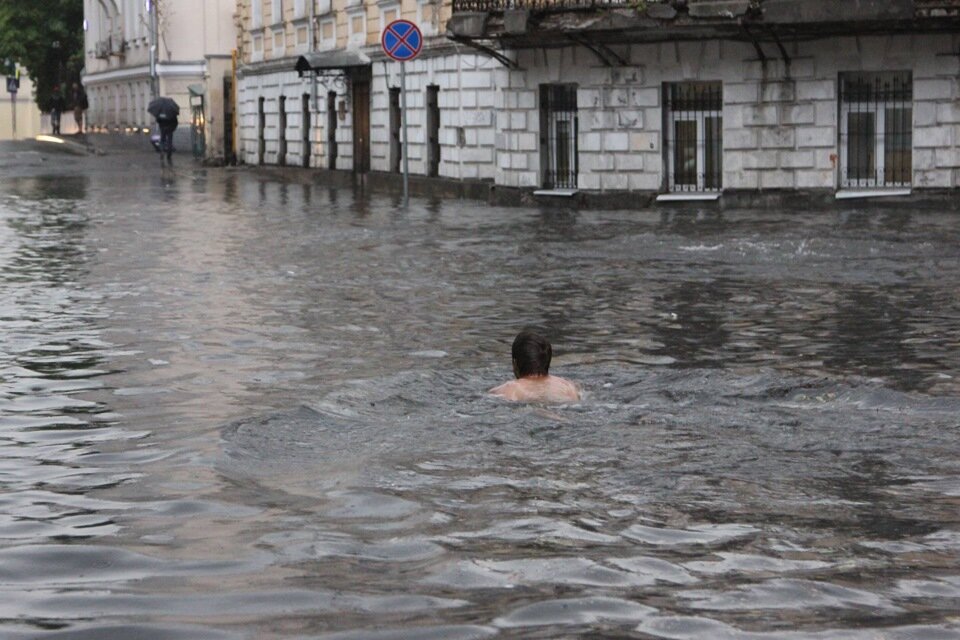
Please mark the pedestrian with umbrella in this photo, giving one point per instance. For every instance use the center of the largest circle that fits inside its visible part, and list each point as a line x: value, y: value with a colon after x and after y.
x: 165, y: 110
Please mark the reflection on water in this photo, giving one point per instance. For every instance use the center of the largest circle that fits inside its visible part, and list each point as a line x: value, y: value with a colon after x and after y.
x: 235, y: 407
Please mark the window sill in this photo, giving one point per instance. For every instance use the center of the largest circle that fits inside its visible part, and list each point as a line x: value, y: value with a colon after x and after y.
x: 564, y: 193
x: 850, y: 194
x: 699, y: 196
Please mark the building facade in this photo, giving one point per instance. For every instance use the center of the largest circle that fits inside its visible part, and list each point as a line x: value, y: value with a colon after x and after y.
x: 692, y: 99
x: 680, y: 99
x: 192, y: 43
x: 343, y: 109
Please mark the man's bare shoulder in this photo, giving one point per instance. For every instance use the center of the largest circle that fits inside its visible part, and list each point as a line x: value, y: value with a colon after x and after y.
x: 542, y: 389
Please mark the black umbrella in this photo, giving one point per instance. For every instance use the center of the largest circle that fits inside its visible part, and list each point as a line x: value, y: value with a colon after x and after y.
x: 163, y: 109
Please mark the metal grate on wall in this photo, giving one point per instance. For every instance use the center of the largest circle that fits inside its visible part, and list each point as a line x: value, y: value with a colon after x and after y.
x: 558, y: 135
x: 693, y: 132
x: 876, y: 129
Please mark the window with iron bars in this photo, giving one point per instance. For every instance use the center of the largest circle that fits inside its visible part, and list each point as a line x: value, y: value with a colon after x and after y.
x: 876, y: 129
x: 693, y: 135
x: 558, y: 135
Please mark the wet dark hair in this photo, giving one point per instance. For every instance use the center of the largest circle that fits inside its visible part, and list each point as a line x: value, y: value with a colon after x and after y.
x: 531, y: 354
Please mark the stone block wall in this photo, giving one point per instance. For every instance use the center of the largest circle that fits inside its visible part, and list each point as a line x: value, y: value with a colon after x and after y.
x: 271, y: 87
x: 466, y: 94
x: 465, y: 83
x: 780, y: 120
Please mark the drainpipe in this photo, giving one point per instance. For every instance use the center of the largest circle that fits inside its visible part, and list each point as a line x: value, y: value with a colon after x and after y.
x: 310, y: 46
x: 154, y: 48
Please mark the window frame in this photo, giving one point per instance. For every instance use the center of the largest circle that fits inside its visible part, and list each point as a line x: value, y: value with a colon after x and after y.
x: 879, y: 109
x: 326, y: 44
x: 702, y: 151
x: 256, y: 14
x: 384, y: 8
x: 559, y: 104
x: 356, y: 39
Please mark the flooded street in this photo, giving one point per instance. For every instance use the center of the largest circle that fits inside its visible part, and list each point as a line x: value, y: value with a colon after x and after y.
x: 237, y: 407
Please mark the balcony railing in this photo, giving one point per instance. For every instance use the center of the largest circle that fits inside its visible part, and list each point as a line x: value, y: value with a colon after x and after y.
x: 537, y: 5
x: 923, y: 7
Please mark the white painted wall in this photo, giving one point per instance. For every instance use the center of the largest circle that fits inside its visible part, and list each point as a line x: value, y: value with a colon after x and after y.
x: 780, y: 123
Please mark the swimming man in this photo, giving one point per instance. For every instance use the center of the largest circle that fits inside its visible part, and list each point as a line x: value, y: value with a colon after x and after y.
x: 531, y: 366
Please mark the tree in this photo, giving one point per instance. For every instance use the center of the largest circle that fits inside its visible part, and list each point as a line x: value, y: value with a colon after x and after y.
x: 46, y: 38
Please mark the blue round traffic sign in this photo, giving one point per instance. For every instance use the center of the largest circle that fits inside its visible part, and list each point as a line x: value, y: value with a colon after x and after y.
x: 402, y: 40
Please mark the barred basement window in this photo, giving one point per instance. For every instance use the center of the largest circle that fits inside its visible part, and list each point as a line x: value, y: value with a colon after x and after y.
x: 395, y: 122
x: 876, y: 129
x: 558, y: 135
x: 693, y: 126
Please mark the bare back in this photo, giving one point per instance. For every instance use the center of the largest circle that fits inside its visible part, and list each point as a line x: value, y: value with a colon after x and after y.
x: 538, y: 389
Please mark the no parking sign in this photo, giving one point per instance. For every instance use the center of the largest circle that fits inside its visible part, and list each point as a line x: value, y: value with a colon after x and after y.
x: 402, y: 40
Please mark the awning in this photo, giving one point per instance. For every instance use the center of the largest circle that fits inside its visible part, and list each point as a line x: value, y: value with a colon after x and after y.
x: 327, y: 60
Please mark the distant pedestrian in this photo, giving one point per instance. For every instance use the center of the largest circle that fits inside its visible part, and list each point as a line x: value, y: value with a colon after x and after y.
x: 80, y: 104
x: 165, y: 110
x: 57, y: 106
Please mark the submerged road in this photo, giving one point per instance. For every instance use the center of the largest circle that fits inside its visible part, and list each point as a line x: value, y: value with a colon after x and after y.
x: 243, y: 404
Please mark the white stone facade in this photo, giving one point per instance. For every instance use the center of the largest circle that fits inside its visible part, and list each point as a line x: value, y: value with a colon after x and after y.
x: 196, y: 41
x: 466, y: 97
x: 780, y: 121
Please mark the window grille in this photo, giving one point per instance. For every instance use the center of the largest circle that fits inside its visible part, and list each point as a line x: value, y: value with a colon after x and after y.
x: 693, y: 132
x: 558, y: 135
x: 876, y: 129
x: 395, y: 122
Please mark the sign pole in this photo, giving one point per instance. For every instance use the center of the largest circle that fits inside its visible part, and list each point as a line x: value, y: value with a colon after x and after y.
x: 403, y: 116
x: 13, y: 110
x: 402, y: 41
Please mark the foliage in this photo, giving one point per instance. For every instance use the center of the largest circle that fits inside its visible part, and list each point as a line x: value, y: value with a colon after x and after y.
x: 46, y: 38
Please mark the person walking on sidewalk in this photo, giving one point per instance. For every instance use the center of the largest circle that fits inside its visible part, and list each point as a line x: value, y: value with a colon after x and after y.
x: 80, y: 104
x: 57, y: 106
x: 165, y: 110
x: 167, y: 126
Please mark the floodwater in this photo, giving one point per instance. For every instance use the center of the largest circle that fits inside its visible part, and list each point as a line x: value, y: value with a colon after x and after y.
x: 235, y: 407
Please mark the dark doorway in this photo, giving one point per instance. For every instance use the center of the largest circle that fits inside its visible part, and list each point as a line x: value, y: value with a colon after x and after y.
x: 261, y: 131
x: 332, y: 130
x: 395, y: 123
x: 229, y: 156
x: 433, y: 130
x: 361, y: 125
x: 282, y: 133
x: 305, y: 130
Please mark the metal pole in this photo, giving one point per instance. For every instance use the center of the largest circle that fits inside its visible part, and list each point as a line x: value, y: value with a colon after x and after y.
x: 13, y: 105
x: 403, y: 119
x: 312, y: 45
x: 154, y: 48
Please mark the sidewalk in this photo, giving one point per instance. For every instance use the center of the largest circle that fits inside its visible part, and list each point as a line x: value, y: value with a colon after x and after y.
x: 73, y: 154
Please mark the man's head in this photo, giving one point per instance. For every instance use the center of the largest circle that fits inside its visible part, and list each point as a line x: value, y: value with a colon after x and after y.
x: 531, y: 354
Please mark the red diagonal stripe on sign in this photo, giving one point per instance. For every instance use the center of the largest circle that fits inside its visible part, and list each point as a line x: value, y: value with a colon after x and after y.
x: 401, y: 41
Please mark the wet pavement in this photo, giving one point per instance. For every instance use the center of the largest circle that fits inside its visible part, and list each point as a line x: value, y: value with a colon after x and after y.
x: 241, y: 406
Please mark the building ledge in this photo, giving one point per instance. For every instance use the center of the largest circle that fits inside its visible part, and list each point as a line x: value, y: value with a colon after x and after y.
x: 850, y: 194
x: 697, y: 196
x: 563, y: 193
